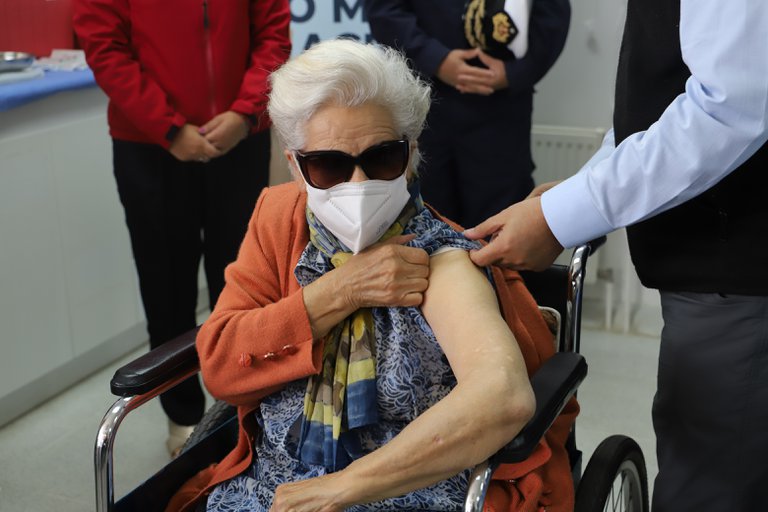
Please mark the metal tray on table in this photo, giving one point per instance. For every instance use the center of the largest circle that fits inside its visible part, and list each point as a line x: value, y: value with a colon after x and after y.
x: 15, y: 61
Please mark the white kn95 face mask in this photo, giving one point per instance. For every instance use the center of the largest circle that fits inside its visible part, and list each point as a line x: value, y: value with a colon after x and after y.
x: 358, y: 213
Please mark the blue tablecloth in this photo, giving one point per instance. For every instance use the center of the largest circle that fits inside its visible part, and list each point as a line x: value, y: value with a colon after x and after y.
x: 19, y: 93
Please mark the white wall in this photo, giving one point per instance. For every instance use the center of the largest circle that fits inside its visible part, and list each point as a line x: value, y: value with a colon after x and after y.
x: 69, y: 299
x: 68, y: 293
x: 578, y: 91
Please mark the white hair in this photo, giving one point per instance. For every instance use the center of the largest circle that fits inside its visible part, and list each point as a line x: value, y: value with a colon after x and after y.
x: 346, y: 73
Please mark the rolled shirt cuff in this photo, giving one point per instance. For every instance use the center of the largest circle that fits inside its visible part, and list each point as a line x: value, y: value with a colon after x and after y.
x: 571, y: 214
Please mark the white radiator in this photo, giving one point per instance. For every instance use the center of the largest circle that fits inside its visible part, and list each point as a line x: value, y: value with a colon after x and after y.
x: 559, y: 152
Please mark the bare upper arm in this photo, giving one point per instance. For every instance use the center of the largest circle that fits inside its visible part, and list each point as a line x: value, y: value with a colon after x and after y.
x: 461, y: 307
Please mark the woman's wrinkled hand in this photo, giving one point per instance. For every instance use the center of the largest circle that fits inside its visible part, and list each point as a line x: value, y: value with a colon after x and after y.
x: 386, y: 274
x: 314, y: 495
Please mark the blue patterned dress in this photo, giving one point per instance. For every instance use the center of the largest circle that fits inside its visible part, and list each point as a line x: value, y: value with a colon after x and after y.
x: 412, y: 375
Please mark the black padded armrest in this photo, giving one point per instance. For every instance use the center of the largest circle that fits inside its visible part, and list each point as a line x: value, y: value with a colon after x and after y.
x: 553, y: 384
x: 156, y: 366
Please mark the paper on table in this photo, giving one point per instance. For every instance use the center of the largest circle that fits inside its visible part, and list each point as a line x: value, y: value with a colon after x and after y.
x: 63, y: 60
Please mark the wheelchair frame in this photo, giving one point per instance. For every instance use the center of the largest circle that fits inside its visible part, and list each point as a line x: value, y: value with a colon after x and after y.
x: 554, y: 383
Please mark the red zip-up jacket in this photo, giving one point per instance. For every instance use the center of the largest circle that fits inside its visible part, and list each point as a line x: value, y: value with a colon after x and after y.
x: 164, y: 63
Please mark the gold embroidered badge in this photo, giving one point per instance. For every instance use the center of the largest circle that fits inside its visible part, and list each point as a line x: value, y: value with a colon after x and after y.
x: 503, y: 28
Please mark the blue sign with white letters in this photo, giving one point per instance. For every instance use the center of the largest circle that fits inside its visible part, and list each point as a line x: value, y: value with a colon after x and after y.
x: 317, y: 20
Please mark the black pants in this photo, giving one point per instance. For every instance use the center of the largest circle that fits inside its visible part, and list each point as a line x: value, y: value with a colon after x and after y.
x: 178, y: 212
x: 477, y: 155
x: 710, y: 412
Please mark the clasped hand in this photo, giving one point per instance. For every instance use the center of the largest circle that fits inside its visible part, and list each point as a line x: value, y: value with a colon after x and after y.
x: 466, y: 78
x: 213, y: 139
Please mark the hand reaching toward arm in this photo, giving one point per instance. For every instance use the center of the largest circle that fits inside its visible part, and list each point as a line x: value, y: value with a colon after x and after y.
x: 189, y: 145
x: 385, y: 274
x: 225, y: 130
x: 520, y: 238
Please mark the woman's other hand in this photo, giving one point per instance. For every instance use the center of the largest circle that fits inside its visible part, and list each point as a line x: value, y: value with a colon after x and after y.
x: 225, y: 130
x: 321, y: 494
x: 189, y: 146
x: 387, y: 274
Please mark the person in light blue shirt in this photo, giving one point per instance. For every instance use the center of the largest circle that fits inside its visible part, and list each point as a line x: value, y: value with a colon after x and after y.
x: 685, y: 169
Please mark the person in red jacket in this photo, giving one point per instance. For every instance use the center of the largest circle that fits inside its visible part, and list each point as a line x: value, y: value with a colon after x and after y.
x: 187, y: 87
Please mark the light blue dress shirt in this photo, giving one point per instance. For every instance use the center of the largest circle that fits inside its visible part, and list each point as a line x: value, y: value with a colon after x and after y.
x: 705, y: 133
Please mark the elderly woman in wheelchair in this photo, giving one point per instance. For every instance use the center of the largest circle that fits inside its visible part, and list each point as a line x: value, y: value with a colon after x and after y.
x: 365, y: 352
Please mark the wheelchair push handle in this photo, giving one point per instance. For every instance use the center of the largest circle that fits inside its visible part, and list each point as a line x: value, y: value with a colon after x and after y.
x: 576, y: 273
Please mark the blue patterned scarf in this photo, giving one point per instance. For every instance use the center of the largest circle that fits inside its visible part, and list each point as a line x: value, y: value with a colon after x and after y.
x: 342, y: 396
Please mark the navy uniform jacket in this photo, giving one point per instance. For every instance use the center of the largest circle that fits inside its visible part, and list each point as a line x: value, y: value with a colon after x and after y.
x: 426, y: 30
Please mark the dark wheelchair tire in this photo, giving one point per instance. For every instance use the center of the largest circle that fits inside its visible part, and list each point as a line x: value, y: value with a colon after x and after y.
x: 615, y: 478
x: 218, y: 414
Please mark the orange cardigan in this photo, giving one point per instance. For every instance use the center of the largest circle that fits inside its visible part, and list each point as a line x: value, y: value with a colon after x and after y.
x: 258, y: 339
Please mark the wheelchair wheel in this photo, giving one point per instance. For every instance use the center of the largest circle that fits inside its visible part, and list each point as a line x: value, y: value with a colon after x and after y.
x: 218, y: 414
x: 615, y: 478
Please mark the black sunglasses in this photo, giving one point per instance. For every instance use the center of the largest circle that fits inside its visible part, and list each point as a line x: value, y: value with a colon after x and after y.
x: 384, y: 161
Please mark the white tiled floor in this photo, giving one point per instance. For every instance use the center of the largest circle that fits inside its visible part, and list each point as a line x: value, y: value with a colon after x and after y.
x: 47, y: 455
x: 617, y: 394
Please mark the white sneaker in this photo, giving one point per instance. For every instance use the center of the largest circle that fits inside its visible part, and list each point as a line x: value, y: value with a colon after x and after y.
x: 177, y: 436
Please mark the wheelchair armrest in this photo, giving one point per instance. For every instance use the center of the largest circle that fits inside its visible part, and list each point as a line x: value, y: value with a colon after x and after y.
x: 553, y: 385
x: 156, y: 366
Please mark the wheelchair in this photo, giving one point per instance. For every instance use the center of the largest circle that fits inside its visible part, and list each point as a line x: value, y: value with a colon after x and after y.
x: 615, y: 478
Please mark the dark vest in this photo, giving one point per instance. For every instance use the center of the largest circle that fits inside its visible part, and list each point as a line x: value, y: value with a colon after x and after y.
x: 718, y: 241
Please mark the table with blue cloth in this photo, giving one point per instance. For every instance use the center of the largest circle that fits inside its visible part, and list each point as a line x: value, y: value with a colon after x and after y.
x: 16, y: 94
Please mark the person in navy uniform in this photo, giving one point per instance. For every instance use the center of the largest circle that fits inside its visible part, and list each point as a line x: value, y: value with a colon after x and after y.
x: 477, y: 144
